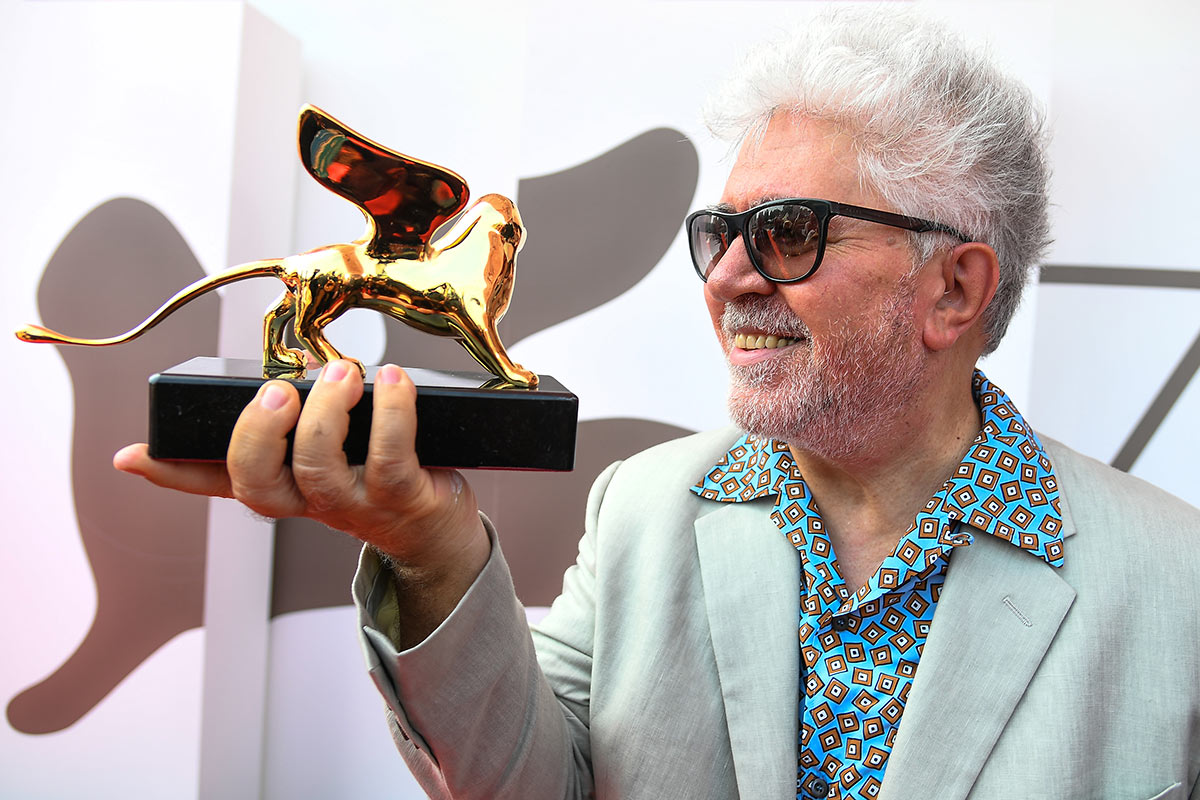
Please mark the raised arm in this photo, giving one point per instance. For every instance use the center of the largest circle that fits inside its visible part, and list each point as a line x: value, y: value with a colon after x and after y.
x: 425, y: 523
x: 470, y: 708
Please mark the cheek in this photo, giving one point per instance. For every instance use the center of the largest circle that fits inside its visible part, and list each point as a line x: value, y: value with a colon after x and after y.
x: 816, y: 304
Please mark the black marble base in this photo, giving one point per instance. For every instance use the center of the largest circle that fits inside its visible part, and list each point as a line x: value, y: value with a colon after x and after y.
x: 461, y: 421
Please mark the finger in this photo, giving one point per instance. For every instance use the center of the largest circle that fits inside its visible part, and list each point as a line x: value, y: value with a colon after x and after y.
x: 257, y: 450
x: 392, y: 471
x: 319, y: 465
x: 437, y: 505
x: 193, y: 478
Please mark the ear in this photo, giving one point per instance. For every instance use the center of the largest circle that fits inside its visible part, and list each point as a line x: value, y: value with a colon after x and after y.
x: 969, y: 274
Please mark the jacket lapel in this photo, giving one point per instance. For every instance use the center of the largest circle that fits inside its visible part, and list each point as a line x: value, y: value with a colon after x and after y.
x: 998, y: 612
x: 751, y: 579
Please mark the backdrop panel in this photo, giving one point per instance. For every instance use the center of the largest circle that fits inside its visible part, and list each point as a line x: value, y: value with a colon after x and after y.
x: 135, y: 166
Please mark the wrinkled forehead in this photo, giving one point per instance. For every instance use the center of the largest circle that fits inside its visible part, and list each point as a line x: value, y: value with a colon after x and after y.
x: 796, y: 157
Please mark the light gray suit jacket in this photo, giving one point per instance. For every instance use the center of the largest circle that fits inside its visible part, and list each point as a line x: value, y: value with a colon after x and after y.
x: 669, y: 667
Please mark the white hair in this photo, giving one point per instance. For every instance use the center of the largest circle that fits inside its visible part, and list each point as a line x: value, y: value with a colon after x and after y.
x: 936, y: 128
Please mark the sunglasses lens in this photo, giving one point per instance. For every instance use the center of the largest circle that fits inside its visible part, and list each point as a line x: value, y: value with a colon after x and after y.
x: 786, y: 239
x: 709, y: 236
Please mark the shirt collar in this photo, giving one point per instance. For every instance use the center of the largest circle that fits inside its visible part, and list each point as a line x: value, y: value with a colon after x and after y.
x: 1005, y: 486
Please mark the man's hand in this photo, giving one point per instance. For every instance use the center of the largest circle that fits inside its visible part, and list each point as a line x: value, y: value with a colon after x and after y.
x: 425, y: 521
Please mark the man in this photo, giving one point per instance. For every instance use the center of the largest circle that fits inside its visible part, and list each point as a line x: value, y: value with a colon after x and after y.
x: 880, y: 584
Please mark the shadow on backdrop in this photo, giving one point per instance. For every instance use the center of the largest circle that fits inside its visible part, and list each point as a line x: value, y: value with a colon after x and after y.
x: 596, y: 230
x: 146, y: 547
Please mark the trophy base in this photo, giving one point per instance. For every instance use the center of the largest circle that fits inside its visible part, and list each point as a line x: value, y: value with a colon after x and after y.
x: 464, y: 421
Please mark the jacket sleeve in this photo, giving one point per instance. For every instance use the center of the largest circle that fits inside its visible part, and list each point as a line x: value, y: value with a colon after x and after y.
x: 470, y: 708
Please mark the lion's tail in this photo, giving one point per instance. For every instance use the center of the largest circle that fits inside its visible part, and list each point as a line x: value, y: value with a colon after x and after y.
x: 254, y: 269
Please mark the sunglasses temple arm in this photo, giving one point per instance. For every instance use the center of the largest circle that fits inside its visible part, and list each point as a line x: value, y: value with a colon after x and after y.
x: 937, y: 227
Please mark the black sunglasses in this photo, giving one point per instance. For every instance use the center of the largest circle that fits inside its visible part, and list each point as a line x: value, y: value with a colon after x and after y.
x: 785, y: 238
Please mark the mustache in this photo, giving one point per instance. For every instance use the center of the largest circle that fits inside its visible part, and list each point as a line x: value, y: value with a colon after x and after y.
x: 760, y: 313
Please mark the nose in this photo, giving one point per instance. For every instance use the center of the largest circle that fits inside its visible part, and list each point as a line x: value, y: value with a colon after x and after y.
x: 734, y: 275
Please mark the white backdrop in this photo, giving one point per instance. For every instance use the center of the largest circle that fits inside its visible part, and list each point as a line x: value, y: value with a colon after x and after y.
x: 499, y: 93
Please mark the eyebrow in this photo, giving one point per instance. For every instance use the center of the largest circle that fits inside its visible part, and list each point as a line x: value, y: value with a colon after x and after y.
x: 837, y: 223
x: 729, y: 208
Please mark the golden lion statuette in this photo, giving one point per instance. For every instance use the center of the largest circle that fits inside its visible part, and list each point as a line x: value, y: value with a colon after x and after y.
x: 458, y: 287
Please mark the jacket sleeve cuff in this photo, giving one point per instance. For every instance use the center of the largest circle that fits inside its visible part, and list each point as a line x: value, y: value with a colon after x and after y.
x: 417, y: 678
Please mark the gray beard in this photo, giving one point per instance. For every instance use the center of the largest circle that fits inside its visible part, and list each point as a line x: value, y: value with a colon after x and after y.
x: 832, y: 398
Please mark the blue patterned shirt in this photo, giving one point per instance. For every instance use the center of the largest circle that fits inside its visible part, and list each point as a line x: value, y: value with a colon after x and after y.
x: 859, y: 652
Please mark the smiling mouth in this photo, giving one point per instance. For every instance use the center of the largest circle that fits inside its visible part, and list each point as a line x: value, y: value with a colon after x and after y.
x: 750, y: 341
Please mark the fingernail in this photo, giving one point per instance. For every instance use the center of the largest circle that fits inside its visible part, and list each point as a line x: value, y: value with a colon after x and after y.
x: 274, y: 397
x: 335, y: 371
x: 388, y: 373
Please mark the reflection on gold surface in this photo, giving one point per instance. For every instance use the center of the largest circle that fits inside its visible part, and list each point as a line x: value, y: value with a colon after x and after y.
x: 459, y: 286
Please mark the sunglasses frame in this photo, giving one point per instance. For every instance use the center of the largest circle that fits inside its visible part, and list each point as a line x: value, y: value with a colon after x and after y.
x: 824, y: 210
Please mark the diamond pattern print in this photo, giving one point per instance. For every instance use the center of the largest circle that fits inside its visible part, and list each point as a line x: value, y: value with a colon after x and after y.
x: 860, y: 651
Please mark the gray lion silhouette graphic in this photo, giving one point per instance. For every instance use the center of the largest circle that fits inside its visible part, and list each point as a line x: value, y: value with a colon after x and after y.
x: 146, y: 547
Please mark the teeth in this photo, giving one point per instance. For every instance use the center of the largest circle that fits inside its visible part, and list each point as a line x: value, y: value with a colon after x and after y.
x: 759, y: 342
